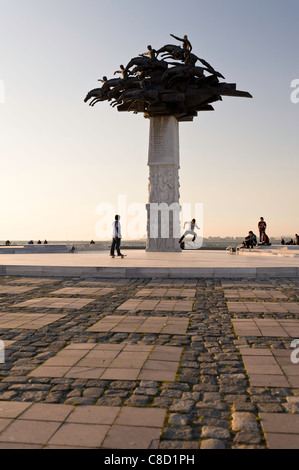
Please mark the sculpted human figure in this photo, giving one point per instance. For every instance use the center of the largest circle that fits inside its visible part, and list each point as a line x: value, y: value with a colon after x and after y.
x: 123, y: 71
x: 152, y: 53
x: 103, y: 80
x: 186, y: 43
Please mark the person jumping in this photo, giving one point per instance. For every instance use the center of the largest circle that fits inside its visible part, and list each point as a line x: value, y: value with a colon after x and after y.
x: 191, y: 226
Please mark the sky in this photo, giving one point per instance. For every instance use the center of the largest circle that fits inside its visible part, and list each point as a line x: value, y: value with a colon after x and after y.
x: 65, y: 165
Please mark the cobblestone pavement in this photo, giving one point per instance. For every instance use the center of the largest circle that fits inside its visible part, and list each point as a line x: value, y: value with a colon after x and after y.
x: 139, y: 363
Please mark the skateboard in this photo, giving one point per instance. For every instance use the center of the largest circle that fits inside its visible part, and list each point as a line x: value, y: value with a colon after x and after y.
x: 122, y: 256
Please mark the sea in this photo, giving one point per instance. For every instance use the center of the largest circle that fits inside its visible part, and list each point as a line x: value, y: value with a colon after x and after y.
x: 211, y: 243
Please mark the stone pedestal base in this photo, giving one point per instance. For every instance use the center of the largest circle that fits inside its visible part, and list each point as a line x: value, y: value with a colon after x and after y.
x: 163, y: 209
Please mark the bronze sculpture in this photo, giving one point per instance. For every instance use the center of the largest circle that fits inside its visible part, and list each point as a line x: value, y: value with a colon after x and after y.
x: 156, y: 87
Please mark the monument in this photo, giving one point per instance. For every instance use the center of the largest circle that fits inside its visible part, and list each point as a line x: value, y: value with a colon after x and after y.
x: 168, y: 86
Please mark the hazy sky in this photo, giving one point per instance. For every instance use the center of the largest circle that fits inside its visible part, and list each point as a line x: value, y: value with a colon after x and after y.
x: 61, y: 159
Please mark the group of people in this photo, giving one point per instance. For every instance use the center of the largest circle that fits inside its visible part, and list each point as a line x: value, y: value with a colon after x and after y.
x: 31, y: 242
x: 251, y: 239
x: 291, y: 241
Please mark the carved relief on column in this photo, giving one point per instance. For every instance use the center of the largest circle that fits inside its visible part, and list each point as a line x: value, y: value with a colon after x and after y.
x: 164, y: 184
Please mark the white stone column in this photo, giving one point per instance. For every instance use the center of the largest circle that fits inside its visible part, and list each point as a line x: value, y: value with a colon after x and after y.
x: 163, y: 209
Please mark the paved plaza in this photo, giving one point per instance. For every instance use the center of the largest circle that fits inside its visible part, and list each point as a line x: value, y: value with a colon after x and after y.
x: 140, y: 264
x: 149, y: 363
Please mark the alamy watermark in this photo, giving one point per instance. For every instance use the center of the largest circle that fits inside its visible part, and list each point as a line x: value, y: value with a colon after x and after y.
x: 155, y: 220
x: 295, y: 92
x: 2, y: 92
x: 2, y: 352
x: 295, y: 353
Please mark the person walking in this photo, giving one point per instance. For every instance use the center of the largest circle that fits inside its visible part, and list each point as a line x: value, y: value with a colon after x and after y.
x: 262, y: 228
x: 191, y: 226
x: 116, y: 234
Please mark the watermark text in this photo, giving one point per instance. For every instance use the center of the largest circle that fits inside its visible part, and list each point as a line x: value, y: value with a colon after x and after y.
x: 295, y: 92
x: 2, y: 352
x: 295, y: 353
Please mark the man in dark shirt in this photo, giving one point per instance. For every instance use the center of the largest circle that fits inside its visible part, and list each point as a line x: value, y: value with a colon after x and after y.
x: 262, y: 228
x: 250, y: 241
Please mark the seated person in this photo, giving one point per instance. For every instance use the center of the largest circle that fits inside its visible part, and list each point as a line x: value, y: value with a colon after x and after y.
x: 266, y: 241
x: 250, y: 241
x: 296, y: 239
x: 291, y: 242
x: 283, y: 241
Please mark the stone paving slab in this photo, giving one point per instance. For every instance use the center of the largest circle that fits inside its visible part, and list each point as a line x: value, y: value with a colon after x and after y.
x: 257, y: 283
x: 29, y: 321
x: 15, y: 289
x: 268, y: 368
x: 157, y: 305
x: 83, y: 291
x: 267, y: 327
x: 113, y: 362
x: 33, y: 280
x: 54, y: 302
x: 254, y: 293
x: 281, y: 430
x: 57, y: 426
x: 166, y: 292
x: 142, y: 324
x: 108, y: 283
x: 263, y: 307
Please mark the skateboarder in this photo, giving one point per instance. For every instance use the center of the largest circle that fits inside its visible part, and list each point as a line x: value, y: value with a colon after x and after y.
x: 116, y: 234
x: 191, y: 226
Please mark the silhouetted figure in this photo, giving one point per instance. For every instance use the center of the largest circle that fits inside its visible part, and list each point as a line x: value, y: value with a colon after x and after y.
x: 7, y: 243
x: 296, y: 239
x: 282, y: 241
x: 290, y: 242
x: 92, y: 242
x: 45, y: 242
x: 39, y: 242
